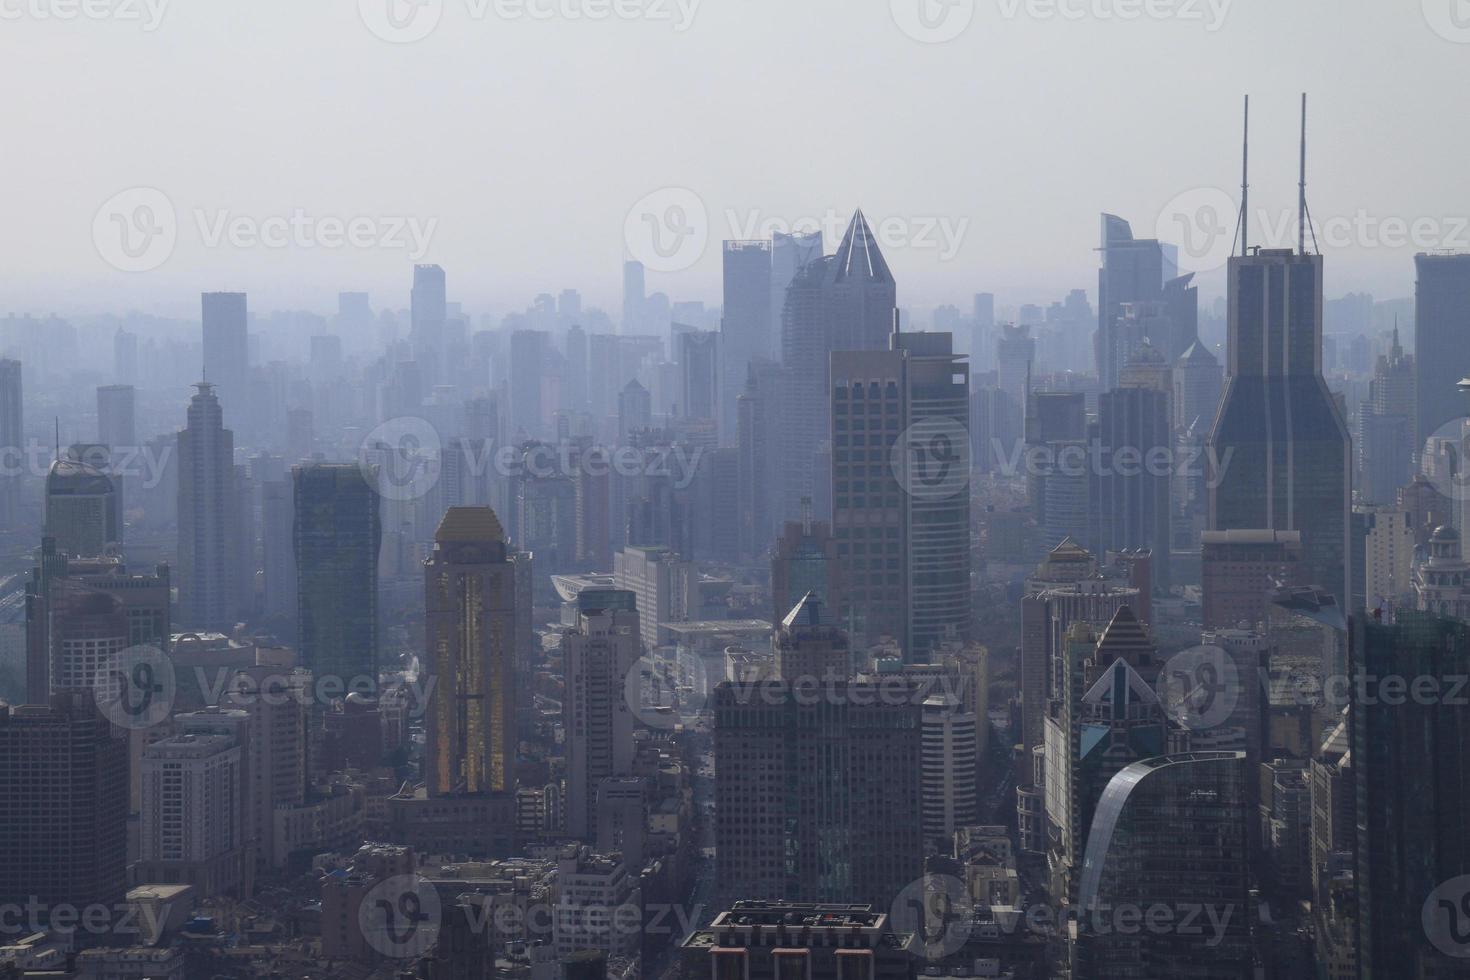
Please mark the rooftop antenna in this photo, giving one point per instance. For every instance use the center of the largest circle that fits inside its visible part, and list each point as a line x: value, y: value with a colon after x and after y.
x: 1304, y: 216
x: 1245, y: 185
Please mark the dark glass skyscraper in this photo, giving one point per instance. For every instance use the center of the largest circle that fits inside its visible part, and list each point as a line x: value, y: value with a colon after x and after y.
x: 337, y: 536
x: 209, y: 565
x: 1133, y: 271
x: 1441, y: 324
x: 747, y: 330
x: 1283, y: 451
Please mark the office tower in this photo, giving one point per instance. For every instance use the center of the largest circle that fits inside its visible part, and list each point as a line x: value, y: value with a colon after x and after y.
x: 12, y: 440
x: 982, y: 340
x: 115, y: 426
x: 1169, y: 832
x: 337, y: 536
x: 1132, y: 271
x: 87, y: 630
x: 1240, y: 569
x: 545, y: 508
x: 1105, y: 717
x: 595, y: 891
x: 950, y: 767
x: 667, y: 587
x: 789, y: 255
x: 809, y: 645
x: 713, y: 497
x: 634, y: 298
x: 528, y: 361
x: 806, y: 560
x: 1388, y: 552
x: 1442, y: 584
x: 748, y: 328
x: 767, y: 940
x: 1132, y: 498
x: 471, y: 630
x: 63, y: 804
x: 1413, y: 780
x: 902, y: 511
x: 594, y: 509
x: 278, y: 551
x: 227, y: 352
x: 1290, y: 467
x: 1180, y: 305
x: 1386, y: 428
x: 635, y: 411
x: 575, y: 393
x: 192, y: 828
x: 1198, y: 380
x: 1058, y: 490
x: 82, y: 511
x: 845, y: 302
x: 208, y: 563
x: 699, y: 374
x: 759, y: 436
x: 860, y: 835
x: 277, y: 766
x: 1333, y: 842
x: 1015, y: 357
x: 429, y: 314
x: 598, y: 654
x: 1441, y: 323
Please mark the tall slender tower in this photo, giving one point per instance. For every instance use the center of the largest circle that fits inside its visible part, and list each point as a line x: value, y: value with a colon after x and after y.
x: 227, y: 351
x: 599, y: 653
x: 208, y: 569
x: 11, y: 438
x: 1282, y: 445
x: 470, y: 600
x: 337, y: 535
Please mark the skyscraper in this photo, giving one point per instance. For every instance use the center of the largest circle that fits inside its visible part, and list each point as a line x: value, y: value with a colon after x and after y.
x: 844, y: 302
x: 208, y: 562
x: 599, y: 654
x: 1132, y: 497
x: 227, y: 352
x: 1386, y: 427
x: 1441, y: 323
x: 1133, y: 271
x: 115, y: 425
x: 1171, y: 832
x: 470, y: 597
x: 900, y: 417
x: 337, y: 536
x: 759, y: 437
x: 429, y: 313
x: 699, y: 374
x: 82, y: 510
x: 63, y: 804
x: 12, y: 440
x: 790, y: 253
x: 1280, y: 439
x: 747, y: 330
x: 634, y: 297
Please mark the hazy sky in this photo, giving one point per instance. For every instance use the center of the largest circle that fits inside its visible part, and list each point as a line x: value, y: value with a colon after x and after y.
x: 518, y: 135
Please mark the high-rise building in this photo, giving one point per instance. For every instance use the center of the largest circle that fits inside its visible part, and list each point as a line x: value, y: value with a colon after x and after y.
x: 665, y: 584
x: 528, y: 359
x: 192, y: 828
x: 845, y: 302
x: 470, y: 598
x: 808, y: 645
x: 634, y: 297
x: 1015, y: 356
x: 1386, y: 428
x: 599, y: 654
x: 748, y: 329
x: 278, y: 550
x: 337, y: 537
x: 1441, y: 321
x: 982, y: 341
x: 1388, y: 552
x: 900, y: 473
x: 1133, y: 271
x: 859, y: 837
x: 805, y: 561
x: 1413, y: 778
x: 63, y: 804
x: 790, y: 253
x: 12, y: 440
x: 1198, y: 380
x: 429, y: 314
x: 115, y: 418
x: 209, y: 567
x: 759, y: 437
x: 1132, y: 496
x: 635, y: 411
x: 276, y: 765
x: 1289, y: 455
x: 83, y: 514
x: 1171, y: 832
x: 950, y: 769
x: 1240, y: 569
x: 699, y: 374
x: 227, y: 352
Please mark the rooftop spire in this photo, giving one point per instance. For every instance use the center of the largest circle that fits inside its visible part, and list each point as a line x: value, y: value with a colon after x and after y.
x: 858, y: 256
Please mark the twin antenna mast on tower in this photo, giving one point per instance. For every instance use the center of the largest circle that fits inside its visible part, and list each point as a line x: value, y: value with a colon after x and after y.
x: 1304, y: 215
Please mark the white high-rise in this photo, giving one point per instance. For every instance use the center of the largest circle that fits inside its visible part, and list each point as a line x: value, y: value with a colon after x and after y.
x: 599, y: 655
x: 949, y: 768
